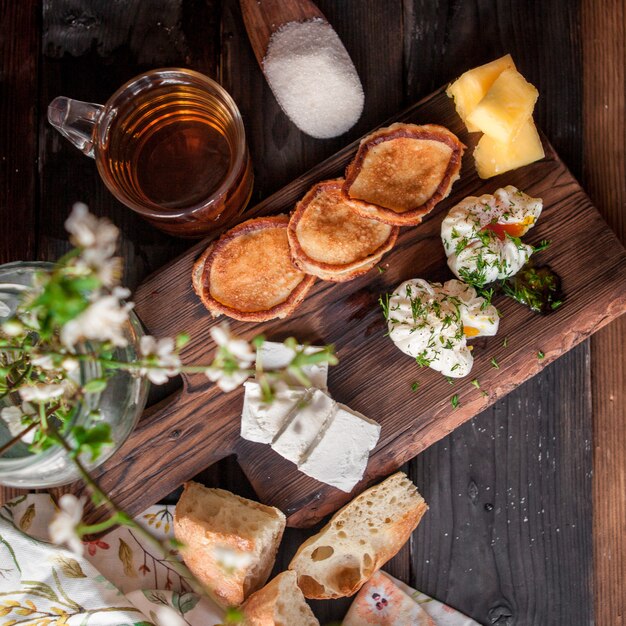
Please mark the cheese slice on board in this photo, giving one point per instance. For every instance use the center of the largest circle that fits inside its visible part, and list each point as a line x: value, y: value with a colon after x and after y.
x: 261, y: 421
x: 273, y: 355
x: 340, y: 457
x: 305, y: 427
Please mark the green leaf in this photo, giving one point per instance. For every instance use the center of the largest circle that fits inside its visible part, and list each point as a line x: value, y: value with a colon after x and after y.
x: 156, y: 597
x: 92, y: 439
x: 95, y: 385
x: 233, y: 616
x: 258, y: 341
x: 182, y: 339
x: 454, y: 401
x: 185, y: 602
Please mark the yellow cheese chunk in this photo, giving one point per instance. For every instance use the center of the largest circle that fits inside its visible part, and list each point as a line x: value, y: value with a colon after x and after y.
x: 506, y: 107
x: 494, y: 157
x: 470, y: 88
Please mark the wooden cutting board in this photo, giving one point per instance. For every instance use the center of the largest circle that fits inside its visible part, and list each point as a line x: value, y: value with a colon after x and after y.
x: 200, y: 425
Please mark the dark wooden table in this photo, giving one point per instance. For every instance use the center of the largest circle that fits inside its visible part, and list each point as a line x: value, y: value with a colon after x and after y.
x: 528, y: 500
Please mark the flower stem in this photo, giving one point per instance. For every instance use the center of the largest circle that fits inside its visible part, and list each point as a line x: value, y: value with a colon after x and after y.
x: 17, y: 438
x: 121, y: 517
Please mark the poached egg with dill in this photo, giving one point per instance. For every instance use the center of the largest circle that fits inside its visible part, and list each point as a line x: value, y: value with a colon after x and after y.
x: 481, y: 235
x: 432, y: 322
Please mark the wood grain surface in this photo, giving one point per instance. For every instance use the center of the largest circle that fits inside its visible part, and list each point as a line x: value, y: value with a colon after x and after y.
x: 605, y: 178
x: 501, y: 569
x: 264, y: 17
x: 373, y: 377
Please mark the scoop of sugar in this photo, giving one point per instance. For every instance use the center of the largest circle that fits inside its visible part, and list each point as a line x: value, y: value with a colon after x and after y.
x: 313, y: 78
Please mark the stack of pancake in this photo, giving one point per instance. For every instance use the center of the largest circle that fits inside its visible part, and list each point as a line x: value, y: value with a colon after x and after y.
x: 263, y: 268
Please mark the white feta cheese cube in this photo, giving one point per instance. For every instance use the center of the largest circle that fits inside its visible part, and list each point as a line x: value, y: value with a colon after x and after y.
x: 305, y: 426
x: 260, y: 421
x: 340, y: 457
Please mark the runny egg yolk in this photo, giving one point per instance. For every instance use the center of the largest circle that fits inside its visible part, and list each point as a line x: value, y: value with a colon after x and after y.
x: 470, y: 331
x: 516, y: 229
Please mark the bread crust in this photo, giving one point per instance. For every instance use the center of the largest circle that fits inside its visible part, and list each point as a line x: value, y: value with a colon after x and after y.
x: 216, y: 308
x: 202, y: 532
x: 415, y: 214
x: 260, y: 608
x: 396, y: 534
x: 331, y: 191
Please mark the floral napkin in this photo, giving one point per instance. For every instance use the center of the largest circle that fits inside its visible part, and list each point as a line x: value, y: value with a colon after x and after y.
x: 386, y: 601
x: 119, y: 581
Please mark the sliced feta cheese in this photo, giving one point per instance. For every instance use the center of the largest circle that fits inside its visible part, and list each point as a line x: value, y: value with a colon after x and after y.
x: 427, y: 321
x: 273, y: 355
x: 481, y: 235
x: 340, y: 457
x: 261, y: 421
x: 305, y: 426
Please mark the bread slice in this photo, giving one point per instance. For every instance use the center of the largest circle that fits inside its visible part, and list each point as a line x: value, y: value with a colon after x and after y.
x: 230, y: 542
x: 331, y: 240
x: 279, y: 603
x: 248, y: 273
x: 359, y: 539
x: 401, y: 172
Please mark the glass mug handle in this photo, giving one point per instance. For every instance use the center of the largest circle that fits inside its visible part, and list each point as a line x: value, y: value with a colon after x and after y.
x: 76, y: 121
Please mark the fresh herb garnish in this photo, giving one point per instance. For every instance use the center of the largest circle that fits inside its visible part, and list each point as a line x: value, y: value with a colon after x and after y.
x: 536, y: 287
x: 476, y: 383
x: 505, y: 343
x: 415, y: 386
x: 384, y: 303
x: 422, y: 359
x: 494, y: 363
x: 540, y: 355
x: 381, y: 270
x: 542, y: 245
x: 454, y: 400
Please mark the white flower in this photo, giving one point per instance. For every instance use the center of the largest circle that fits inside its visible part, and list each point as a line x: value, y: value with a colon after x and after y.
x: 161, y: 354
x: 238, y: 347
x: 102, y: 320
x: 12, y: 328
x: 98, y: 238
x: 226, y: 381
x: 41, y: 392
x: 12, y: 416
x: 44, y: 361
x: 69, y: 364
x: 89, y: 231
x: 229, y: 559
x: 63, y: 526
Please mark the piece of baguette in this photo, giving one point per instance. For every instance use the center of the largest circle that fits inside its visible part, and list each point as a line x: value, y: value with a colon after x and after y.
x: 279, y: 603
x: 359, y: 539
x: 230, y: 542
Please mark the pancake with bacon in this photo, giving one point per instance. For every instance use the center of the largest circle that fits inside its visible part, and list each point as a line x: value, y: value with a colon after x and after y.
x: 401, y: 172
x: 248, y: 273
x: 330, y: 239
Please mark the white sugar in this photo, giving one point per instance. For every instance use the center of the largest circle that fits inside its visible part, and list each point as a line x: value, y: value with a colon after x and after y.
x: 313, y: 78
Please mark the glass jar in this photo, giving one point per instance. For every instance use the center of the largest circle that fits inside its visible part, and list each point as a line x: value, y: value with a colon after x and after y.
x: 120, y: 404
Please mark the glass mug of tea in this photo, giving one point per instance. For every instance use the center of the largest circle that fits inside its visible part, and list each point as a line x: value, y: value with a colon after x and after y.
x: 169, y: 144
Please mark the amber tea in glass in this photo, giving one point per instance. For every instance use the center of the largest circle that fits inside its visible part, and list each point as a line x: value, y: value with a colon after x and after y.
x: 170, y: 144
